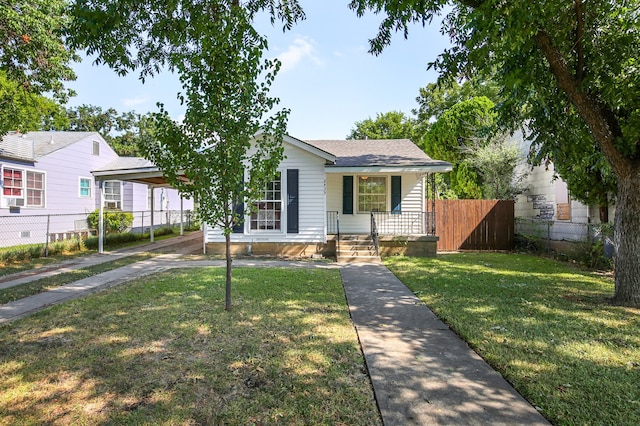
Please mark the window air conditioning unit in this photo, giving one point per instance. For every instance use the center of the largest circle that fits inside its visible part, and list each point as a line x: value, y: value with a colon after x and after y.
x: 14, y: 202
x: 111, y: 205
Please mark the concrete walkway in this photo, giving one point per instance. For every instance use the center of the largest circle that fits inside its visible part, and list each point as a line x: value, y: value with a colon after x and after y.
x: 422, y: 373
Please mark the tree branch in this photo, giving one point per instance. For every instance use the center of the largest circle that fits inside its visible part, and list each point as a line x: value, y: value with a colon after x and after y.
x: 601, y: 122
x: 579, y: 47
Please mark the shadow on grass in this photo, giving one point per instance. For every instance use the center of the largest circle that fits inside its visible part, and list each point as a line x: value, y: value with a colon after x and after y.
x: 162, y: 350
x: 547, y: 327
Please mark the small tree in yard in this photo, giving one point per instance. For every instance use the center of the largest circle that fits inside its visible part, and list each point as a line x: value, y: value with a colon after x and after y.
x: 213, y: 47
x: 224, y: 167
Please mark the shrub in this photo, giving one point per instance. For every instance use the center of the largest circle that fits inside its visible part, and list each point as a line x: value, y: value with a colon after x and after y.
x: 114, y: 221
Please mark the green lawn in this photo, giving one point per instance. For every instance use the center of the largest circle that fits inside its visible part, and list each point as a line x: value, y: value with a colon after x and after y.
x: 545, y: 325
x: 161, y: 350
x: 45, y: 284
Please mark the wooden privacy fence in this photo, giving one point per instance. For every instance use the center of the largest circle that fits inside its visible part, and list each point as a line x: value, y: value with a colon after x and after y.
x: 474, y: 224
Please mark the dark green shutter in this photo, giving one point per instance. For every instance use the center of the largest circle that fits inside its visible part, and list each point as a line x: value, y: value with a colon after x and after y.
x: 347, y: 194
x: 396, y: 194
x: 238, y: 228
x: 292, y: 201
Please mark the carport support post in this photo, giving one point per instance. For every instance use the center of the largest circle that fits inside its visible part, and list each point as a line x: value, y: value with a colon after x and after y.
x: 101, y: 218
x: 152, y: 211
x: 181, y: 215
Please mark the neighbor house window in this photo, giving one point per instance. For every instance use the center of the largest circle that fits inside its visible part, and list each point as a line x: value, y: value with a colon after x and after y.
x: 23, y: 187
x: 13, y: 182
x: 35, y: 189
x: 112, y: 194
x: 268, y: 211
x: 86, y: 185
x: 372, y: 194
x: 96, y: 148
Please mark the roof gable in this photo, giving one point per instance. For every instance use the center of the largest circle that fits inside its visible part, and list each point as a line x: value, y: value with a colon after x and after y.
x: 34, y: 145
x: 400, y: 153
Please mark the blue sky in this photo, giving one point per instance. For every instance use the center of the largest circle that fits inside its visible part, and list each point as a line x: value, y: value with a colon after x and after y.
x: 328, y: 79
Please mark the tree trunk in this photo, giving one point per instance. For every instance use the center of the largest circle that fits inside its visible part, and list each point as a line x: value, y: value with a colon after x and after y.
x: 227, y: 297
x: 604, y: 213
x: 627, y: 240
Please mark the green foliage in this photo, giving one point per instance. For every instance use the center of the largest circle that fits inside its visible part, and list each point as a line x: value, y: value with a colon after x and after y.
x: 390, y: 125
x: 34, y: 61
x: 114, y: 221
x: 496, y: 164
x: 436, y: 98
x: 23, y: 111
x: 463, y: 127
x: 25, y: 253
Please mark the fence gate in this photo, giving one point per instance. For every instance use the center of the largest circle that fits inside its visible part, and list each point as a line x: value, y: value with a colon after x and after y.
x: 475, y: 224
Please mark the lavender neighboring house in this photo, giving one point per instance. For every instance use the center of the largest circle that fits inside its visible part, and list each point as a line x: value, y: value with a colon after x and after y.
x: 47, y: 177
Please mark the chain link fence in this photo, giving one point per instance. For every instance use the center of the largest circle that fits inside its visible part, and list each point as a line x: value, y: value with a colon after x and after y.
x: 568, y: 239
x: 39, y: 229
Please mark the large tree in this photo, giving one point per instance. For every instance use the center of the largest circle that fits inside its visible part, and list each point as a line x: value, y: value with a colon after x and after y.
x: 213, y: 154
x: 388, y: 125
x: 458, y: 131
x: 580, y: 56
x: 34, y: 62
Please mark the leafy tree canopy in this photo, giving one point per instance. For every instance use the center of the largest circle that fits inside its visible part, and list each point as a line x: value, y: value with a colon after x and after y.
x: 24, y: 111
x: 559, y: 64
x: 122, y: 131
x: 389, y: 125
x: 33, y: 60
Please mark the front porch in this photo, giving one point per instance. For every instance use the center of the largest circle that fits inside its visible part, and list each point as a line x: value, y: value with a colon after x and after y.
x: 390, y: 234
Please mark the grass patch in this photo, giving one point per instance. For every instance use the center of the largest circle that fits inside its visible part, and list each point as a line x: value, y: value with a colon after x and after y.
x: 545, y: 325
x: 28, y: 257
x: 162, y: 350
x: 45, y: 284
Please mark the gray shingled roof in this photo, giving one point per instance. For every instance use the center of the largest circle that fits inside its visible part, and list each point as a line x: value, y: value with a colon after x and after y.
x: 33, y: 145
x: 376, y: 153
x: 126, y: 163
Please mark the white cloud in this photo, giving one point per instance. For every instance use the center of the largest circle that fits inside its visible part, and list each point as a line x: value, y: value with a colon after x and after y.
x: 299, y: 50
x: 133, y: 102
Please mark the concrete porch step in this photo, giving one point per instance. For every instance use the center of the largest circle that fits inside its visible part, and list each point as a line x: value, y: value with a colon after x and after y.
x: 358, y: 259
x: 356, y: 248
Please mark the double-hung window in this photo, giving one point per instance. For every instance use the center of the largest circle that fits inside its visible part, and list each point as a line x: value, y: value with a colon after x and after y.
x: 85, y: 188
x: 267, y: 213
x: 23, y: 187
x: 372, y: 194
x: 112, y: 194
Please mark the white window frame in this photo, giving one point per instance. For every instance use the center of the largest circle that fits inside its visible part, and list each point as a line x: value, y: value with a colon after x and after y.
x: 108, y: 201
x: 80, y: 188
x: 360, y: 178
x: 269, y: 220
x: 95, y: 148
x: 22, y: 200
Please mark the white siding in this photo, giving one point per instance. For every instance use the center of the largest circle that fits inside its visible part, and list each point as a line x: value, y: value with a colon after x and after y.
x: 360, y: 223
x: 541, y: 200
x: 311, y: 204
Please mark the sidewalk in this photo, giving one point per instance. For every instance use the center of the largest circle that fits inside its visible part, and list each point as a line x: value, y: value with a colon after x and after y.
x: 422, y: 373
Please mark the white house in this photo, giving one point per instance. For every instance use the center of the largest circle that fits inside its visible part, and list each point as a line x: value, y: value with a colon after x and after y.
x: 331, y: 197
x: 336, y: 188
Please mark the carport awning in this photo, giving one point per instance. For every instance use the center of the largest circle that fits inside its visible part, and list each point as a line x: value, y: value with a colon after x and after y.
x: 133, y: 169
